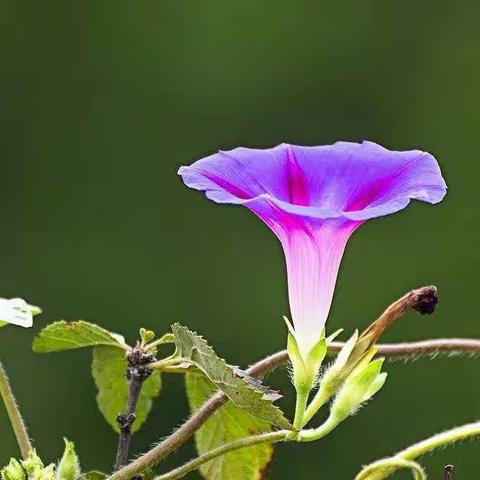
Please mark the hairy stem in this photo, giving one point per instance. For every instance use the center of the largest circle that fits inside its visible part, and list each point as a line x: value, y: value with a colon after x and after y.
x: 440, y: 440
x: 14, y: 415
x: 382, y: 468
x: 300, y: 407
x: 270, y: 437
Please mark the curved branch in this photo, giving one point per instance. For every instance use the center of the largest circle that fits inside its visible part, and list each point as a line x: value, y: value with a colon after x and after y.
x: 196, y: 463
x: 383, y: 468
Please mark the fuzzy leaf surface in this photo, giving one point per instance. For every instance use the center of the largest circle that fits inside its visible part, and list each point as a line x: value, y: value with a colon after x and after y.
x: 244, y: 394
x: 63, y: 335
x: 227, y: 424
x: 108, y: 370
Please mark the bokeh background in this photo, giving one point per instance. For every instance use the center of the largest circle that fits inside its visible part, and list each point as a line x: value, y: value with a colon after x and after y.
x: 101, y: 102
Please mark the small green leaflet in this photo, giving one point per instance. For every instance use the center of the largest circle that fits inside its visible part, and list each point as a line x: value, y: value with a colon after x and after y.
x: 244, y: 392
x: 108, y: 369
x: 227, y: 424
x: 70, y: 335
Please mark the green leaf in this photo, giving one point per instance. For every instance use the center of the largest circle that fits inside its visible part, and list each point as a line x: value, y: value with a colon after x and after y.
x: 244, y: 391
x: 108, y: 369
x: 2, y: 324
x: 227, y: 424
x: 69, y: 335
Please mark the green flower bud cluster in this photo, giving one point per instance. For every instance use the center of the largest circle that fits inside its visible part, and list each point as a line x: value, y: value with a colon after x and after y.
x: 32, y: 468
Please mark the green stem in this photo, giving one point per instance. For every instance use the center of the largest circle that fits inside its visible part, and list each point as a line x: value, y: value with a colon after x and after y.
x: 166, y: 362
x: 440, y: 440
x: 14, y: 414
x: 270, y: 437
x: 300, y: 407
x: 382, y: 468
x: 313, y: 434
x: 320, y: 398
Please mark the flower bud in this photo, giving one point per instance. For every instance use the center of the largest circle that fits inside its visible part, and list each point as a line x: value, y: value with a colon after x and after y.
x: 69, y: 467
x: 343, y: 365
x: 359, y: 386
x: 13, y: 471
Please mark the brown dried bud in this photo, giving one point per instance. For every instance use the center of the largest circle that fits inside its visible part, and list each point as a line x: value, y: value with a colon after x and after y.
x: 423, y: 300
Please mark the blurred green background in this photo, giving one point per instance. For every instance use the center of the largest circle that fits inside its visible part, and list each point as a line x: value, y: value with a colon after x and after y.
x: 102, y: 101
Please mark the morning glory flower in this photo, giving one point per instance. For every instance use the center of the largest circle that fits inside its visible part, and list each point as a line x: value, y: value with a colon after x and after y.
x: 313, y: 199
x: 17, y: 312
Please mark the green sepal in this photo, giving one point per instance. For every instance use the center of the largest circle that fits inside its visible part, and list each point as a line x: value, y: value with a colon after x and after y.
x: 69, y: 465
x: 13, y: 471
x: 305, y: 370
x: 334, y: 335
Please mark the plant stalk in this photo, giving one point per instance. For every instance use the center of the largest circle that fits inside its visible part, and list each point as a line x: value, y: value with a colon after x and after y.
x: 270, y: 437
x: 300, y: 407
x: 136, y: 374
x: 382, y: 468
x: 14, y: 415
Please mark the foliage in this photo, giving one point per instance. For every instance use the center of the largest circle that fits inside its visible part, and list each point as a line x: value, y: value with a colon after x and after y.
x: 63, y: 335
x: 225, y: 425
x: 243, y: 392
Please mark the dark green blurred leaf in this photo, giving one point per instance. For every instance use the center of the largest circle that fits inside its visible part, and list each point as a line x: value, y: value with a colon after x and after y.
x: 70, y: 335
x: 225, y: 425
x: 244, y: 392
x: 108, y: 369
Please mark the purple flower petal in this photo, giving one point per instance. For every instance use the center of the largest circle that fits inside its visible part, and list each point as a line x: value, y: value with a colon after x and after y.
x: 314, y: 198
